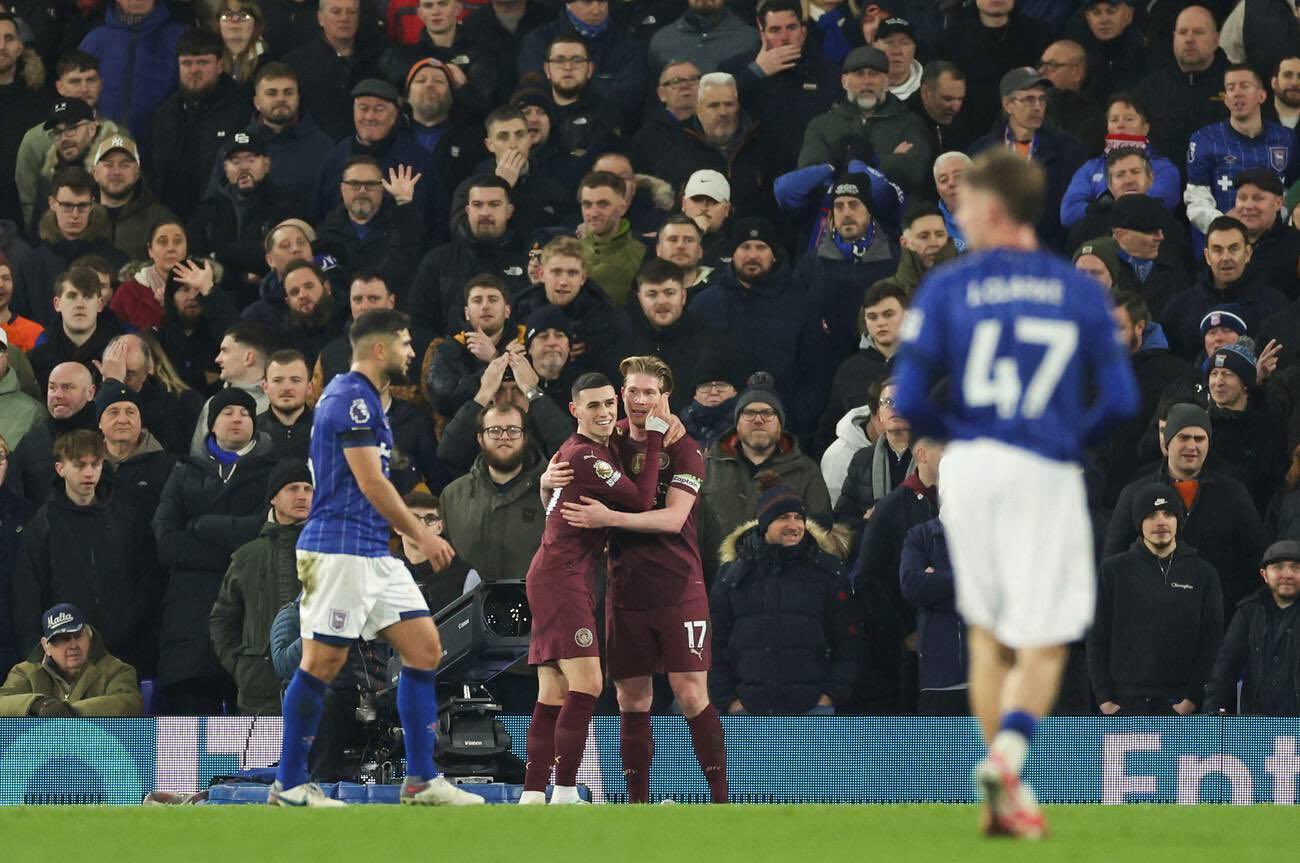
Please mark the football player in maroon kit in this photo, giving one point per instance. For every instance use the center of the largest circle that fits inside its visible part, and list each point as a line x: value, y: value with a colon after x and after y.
x: 656, y: 608
x: 559, y: 584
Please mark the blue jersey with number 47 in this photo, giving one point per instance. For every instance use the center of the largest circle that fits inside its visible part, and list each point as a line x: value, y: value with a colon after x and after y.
x: 1028, y: 346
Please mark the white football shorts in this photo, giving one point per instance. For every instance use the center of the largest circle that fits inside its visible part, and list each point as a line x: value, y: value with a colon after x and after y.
x: 1020, y: 538
x: 346, y: 597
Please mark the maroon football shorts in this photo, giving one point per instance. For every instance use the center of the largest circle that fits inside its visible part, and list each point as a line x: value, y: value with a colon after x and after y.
x: 645, y: 641
x: 564, y: 622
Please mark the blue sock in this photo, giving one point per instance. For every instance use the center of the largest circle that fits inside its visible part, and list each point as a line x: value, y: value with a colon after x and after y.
x: 1020, y: 722
x: 303, y: 702
x: 417, y: 705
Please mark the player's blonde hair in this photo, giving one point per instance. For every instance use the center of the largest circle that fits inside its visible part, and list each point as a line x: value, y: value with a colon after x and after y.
x: 648, y: 365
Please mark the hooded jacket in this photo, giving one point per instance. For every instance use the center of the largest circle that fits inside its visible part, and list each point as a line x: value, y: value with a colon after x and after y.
x: 889, y: 125
x: 850, y: 437
x: 51, y: 258
x: 1157, y: 630
x: 137, y: 64
x: 731, y: 490
x: 494, y: 529
x: 784, y: 629
x: 106, y: 686
x: 1244, y: 655
x: 199, y: 523
x: 261, y: 578
x: 911, y: 268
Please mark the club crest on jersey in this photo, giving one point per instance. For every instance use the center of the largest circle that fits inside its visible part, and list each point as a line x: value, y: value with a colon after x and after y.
x: 638, y: 462
x: 605, y: 471
x: 358, y: 412
x: 583, y: 637
x: 1278, y: 157
x: 338, y: 619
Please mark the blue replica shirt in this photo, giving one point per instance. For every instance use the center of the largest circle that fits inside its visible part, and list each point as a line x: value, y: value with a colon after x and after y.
x: 342, y: 521
x: 1023, y: 339
x: 1217, y: 153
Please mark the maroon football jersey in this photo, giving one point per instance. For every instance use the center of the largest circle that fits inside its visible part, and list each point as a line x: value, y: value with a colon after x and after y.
x: 567, y: 553
x: 659, y: 570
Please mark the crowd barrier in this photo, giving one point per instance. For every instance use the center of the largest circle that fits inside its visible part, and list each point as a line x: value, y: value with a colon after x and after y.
x: 831, y: 759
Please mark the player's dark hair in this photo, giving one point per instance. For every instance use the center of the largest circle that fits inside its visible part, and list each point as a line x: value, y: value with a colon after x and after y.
x: 487, y: 280
x: 504, y: 114
x: 919, y: 209
x: 771, y: 7
x: 936, y: 69
x: 589, y: 381
x: 1242, y: 67
x: 285, y: 356
x: 83, y: 280
x: 1123, y: 98
x: 274, y: 71
x: 656, y: 271
x: 76, y: 445
x: 1226, y: 223
x: 1021, y: 185
x: 195, y: 42
x: 74, y: 178
x: 1134, y: 306
x: 295, y: 266
x: 378, y: 322
x: 602, y: 180
x: 253, y: 335
x: 1127, y: 153
x: 75, y: 60
x: 479, y: 420
x: 680, y: 218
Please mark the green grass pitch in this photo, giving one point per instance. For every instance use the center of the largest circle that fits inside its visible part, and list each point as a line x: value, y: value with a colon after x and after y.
x: 644, y: 834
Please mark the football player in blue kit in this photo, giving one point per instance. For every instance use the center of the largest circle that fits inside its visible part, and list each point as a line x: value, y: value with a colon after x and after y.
x: 351, y: 586
x: 1035, y: 371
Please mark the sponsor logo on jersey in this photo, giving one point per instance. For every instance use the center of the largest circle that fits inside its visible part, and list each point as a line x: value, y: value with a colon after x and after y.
x: 338, y: 619
x: 638, y: 462
x: 689, y: 480
x: 358, y: 412
x: 583, y: 637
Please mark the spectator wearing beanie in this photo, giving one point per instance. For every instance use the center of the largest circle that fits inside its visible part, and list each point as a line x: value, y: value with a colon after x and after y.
x: 712, y: 411
x: 1099, y: 258
x: 213, y: 503
x: 261, y: 579
x: 1222, y: 523
x: 780, y: 590
x: 136, y: 464
x: 758, y: 442
x: 1159, y: 617
x: 1244, y: 435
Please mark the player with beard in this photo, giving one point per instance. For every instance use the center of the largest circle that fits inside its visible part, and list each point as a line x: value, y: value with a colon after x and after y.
x: 657, y: 608
x: 313, y: 318
x: 563, y: 646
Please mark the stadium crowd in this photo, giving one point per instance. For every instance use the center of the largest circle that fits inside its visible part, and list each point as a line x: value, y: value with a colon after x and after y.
x: 196, y: 198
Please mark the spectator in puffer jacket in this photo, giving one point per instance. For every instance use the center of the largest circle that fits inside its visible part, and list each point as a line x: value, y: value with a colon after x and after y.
x: 136, y: 49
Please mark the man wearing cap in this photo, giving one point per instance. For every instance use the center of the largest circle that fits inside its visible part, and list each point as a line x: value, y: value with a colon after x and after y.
x: 1146, y: 238
x: 262, y: 578
x: 1218, y: 152
x: 458, y: 361
x: 758, y: 441
x: 1258, y: 656
x: 1159, y: 617
x: 854, y: 251
x: 1245, y: 436
x: 213, y: 503
x: 775, y: 325
x: 780, y: 588
x: 451, y: 139
x: 1023, y: 130
x: 1222, y: 523
x: 125, y: 196
x: 706, y: 200
x: 1099, y: 258
x: 329, y: 67
x: 136, y: 463
x: 896, y: 38
x: 870, y: 120
x: 18, y: 411
x: 789, y: 82
x: 708, y: 35
x: 1226, y: 279
x: 72, y: 130
x: 471, y: 71
x: 190, y: 127
x: 84, y: 548
x: 70, y: 673
x: 1275, y: 244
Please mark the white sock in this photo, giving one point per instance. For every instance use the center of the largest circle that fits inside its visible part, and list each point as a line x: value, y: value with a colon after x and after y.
x: 564, y: 794
x: 1013, y: 747
x: 532, y: 797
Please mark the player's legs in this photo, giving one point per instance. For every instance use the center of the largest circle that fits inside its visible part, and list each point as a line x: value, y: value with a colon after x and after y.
x: 583, y: 677
x: 304, y: 700
x: 989, y: 665
x: 691, y: 689
x: 636, y: 742
x: 551, y: 690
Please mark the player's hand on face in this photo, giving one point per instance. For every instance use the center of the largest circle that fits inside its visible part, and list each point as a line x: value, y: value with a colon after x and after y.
x: 1109, y: 708
x: 558, y: 474
x: 591, y: 513
x: 438, y: 550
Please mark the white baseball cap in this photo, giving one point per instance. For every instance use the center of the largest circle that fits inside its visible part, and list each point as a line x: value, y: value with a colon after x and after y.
x: 117, y: 142
x: 709, y: 183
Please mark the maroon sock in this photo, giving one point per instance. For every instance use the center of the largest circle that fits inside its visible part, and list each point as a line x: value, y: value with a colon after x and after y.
x: 636, y: 745
x: 541, y: 746
x: 710, y: 750
x: 571, y: 736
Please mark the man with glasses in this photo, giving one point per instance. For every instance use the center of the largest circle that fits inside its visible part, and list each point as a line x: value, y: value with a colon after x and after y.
x: 678, y: 93
x: 1069, y: 108
x: 758, y: 443
x: 582, y: 122
x: 1023, y: 130
x: 70, y: 131
x: 493, y: 515
x: 378, y: 226
x: 618, y: 59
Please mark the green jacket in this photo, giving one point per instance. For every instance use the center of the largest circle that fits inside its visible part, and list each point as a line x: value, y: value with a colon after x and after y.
x: 910, y: 268
x: 18, y: 411
x: 34, y: 168
x: 262, y: 576
x: 731, y: 490
x: 496, y: 532
x: 888, y: 126
x: 107, y: 686
x: 613, y: 263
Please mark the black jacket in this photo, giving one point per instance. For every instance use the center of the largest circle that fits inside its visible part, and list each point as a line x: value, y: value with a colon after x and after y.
x: 455, y: 373
x: 1243, y: 656
x: 1115, y: 65
x: 478, y: 96
x: 138, y: 480
x: 1274, y: 257
x: 230, y: 228
x: 751, y: 168
x: 925, y: 574
x: 1252, y: 443
x: 685, y: 345
x: 849, y: 388
x: 436, y: 298
x: 540, y: 202
x: 193, y: 352
x: 1182, y: 316
x: 588, y: 127
x: 15, y: 512
x: 32, y: 283
x: 287, y: 441
x: 1156, y: 631
x: 784, y: 630
x: 1060, y: 155
x: 660, y: 133
x: 836, y: 284
x: 58, y: 348
x: 1178, y: 103
x: 200, y: 521
x: 1221, y: 525
x: 593, y: 322
x: 415, y: 449
x: 391, y: 246
x: 188, y: 138
x: 785, y: 103
x: 31, y: 463
x: 547, y: 423
x: 328, y: 80
x: 484, y: 28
